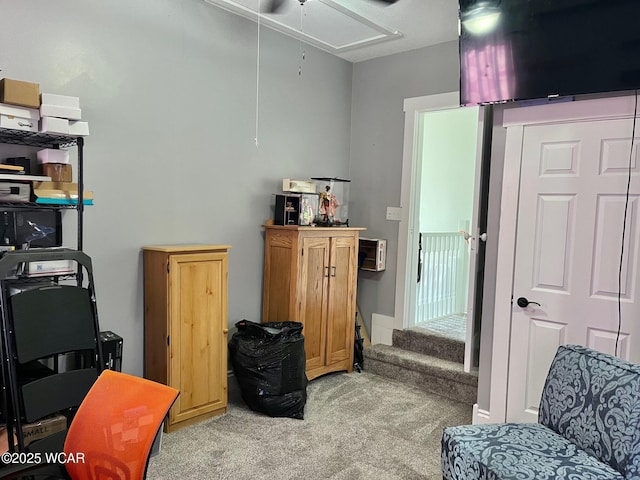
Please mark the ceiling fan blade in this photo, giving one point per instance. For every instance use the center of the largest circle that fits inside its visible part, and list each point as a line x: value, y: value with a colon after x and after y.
x: 273, y: 6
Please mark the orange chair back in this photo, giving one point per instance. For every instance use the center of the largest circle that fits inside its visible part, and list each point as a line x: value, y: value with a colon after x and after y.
x: 112, y: 433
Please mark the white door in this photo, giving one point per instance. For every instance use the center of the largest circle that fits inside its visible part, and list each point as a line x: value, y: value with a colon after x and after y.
x: 568, y: 246
x: 477, y: 243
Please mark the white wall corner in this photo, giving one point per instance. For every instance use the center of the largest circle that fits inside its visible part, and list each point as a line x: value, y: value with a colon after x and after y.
x: 381, y: 329
x: 480, y: 416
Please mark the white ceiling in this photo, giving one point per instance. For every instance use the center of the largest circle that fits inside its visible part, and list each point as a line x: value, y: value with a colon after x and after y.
x: 357, y: 30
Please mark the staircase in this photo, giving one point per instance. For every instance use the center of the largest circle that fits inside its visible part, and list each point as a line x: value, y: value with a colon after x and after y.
x: 425, y: 360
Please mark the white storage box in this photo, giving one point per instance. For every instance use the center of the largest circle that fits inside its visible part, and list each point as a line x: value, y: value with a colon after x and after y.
x: 59, y: 100
x: 52, y: 155
x: 81, y: 129
x: 19, y: 118
x: 49, y: 267
x: 71, y: 113
x: 17, y: 123
x: 54, y: 125
x: 375, y: 251
x: 299, y: 186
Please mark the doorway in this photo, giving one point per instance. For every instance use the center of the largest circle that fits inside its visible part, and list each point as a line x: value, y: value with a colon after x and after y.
x: 446, y: 191
x: 439, y: 246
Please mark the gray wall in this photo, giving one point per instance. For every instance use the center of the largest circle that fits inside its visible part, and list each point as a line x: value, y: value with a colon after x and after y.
x: 377, y: 125
x: 169, y: 90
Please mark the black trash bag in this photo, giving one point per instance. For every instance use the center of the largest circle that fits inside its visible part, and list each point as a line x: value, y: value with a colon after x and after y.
x: 269, y: 362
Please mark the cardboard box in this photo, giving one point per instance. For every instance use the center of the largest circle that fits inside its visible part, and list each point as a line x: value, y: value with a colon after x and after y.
x: 61, y: 112
x: 59, y: 172
x: 16, y: 92
x: 43, y: 428
x: 54, y: 125
x: 59, y: 100
x: 52, y: 155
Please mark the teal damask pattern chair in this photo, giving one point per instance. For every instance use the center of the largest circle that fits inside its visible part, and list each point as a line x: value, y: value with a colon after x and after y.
x: 588, y: 428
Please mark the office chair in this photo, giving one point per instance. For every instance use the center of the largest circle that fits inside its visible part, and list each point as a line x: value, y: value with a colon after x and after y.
x: 111, y: 435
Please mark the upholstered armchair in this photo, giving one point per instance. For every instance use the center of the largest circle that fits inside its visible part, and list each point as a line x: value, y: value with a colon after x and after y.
x: 588, y: 428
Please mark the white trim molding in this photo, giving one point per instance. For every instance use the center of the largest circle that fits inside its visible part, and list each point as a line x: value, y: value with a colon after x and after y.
x: 406, y: 268
x: 480, y: 416
x: 381, y: 329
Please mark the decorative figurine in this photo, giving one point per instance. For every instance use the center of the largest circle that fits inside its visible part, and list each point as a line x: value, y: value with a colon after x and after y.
x: 328, y: 206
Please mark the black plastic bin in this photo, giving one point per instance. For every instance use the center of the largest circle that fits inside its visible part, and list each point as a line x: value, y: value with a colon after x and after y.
x: 269, y: 362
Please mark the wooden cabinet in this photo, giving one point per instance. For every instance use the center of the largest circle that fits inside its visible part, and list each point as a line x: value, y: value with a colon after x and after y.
x: 310, y: 276
x: 185, y: 327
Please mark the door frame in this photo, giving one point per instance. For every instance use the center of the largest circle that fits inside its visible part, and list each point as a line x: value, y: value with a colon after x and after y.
x: 515, y: 120
x: 408, y: 234
x: 406, y: 267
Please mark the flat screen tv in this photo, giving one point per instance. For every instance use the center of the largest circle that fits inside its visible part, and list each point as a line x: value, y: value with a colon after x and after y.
x: 540, y: 49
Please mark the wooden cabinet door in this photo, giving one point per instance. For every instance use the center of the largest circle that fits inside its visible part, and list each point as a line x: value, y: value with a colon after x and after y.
x: 341, y: 302
x: 197, y: 343
x: 279, y: 302
x: 313, y: 298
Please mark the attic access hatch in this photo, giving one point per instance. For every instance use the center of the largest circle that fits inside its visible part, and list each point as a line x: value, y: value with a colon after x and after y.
x: 327, y: 25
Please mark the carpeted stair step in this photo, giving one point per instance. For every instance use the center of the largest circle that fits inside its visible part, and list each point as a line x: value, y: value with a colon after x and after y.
x: 427, y: 343
x: 434, y: 375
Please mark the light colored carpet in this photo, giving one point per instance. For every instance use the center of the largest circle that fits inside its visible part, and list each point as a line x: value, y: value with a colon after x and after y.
x: 452, y: 326
x: 356, y: 426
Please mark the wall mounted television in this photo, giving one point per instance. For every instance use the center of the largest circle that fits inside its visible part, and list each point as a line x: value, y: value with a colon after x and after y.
x: 541, y: 49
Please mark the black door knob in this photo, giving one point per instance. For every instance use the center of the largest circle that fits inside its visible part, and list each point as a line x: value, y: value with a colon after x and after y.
x: 523, y: 302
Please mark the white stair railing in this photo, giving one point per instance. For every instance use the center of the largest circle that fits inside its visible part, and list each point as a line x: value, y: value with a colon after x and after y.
x: 443, y: 280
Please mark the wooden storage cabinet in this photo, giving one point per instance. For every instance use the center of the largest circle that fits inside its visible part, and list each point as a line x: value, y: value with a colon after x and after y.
x: 310, y: 276
x: 185, y: 327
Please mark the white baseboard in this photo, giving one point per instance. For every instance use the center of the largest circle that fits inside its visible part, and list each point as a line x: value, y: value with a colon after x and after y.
x: 381, y: 329
x: 480, y: 416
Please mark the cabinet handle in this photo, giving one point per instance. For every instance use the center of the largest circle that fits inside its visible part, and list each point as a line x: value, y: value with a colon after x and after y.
x: 333, y: 274
x: 326, y: 272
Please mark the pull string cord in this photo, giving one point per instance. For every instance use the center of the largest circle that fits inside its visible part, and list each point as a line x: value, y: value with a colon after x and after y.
x: 301, y: 52
x: 255, y: 140
x: 624, y: 223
